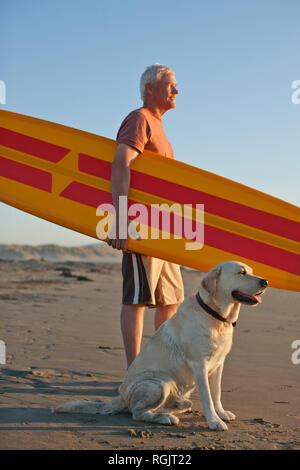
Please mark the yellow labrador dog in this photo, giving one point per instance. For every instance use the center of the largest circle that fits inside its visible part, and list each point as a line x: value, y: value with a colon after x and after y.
x: 188, y: 350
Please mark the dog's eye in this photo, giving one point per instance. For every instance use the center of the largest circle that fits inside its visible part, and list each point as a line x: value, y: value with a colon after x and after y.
x: 243, y: 272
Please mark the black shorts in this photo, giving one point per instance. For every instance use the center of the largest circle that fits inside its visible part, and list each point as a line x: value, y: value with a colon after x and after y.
x: 150, y: 281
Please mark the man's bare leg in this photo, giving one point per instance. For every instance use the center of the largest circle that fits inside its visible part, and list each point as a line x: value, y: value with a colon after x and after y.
x: 163, y: 313
x: 132, y: 323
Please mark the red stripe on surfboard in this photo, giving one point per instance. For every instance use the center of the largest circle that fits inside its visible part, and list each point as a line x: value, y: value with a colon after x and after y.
x: 30, y: 145
x: 214, y: 237
x: 86, y: 195
x: 25, y: 174
x: 212, y: 204
x: 93, y: 197
x: 94, y: 166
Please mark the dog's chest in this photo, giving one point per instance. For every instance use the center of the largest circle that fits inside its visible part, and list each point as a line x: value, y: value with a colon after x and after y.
x: 220, y: 346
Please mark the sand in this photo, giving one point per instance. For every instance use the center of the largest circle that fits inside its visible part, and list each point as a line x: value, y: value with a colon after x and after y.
x: 60, y: 324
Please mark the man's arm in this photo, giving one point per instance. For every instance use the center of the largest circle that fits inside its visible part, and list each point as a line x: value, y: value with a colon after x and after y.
x: 120, y: 183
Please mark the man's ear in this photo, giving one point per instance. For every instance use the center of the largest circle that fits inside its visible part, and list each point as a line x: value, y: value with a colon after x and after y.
x: 210, y: 281
x: 148, y: 89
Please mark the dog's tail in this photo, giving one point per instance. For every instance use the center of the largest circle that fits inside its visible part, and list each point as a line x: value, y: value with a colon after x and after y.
x: 114, y: 406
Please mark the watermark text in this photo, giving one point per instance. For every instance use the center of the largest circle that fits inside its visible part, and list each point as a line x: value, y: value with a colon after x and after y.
x: 158, y: 221
x: 295, y: 358
x: 2, y: 92
x: 296, y: 94
x: 2, y: 352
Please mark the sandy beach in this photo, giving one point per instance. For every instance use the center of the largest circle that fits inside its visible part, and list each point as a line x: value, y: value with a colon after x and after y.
x: 60, y: 324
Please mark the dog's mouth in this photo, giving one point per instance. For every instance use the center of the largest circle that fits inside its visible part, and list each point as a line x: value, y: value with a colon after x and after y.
x: 248, y: 299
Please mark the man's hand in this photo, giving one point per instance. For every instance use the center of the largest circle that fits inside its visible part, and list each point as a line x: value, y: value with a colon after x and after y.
x: 119, y: 244
x: 116, y: 241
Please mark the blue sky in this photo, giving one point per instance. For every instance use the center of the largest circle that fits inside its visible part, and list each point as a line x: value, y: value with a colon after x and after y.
x: 79, y: 63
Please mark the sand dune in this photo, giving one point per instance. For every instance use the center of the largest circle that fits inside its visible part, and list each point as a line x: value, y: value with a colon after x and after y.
x: 92, y: 253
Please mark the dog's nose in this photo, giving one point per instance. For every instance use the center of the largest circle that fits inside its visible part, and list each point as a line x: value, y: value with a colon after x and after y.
x: 264, y: 283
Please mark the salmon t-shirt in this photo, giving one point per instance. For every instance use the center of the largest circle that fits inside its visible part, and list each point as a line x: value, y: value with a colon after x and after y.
x: 142, y: 130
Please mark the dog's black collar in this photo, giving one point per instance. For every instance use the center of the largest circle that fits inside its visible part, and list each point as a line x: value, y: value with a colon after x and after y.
x: 211, y: 311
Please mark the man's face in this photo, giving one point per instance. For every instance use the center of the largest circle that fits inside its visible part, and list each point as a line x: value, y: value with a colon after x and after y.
x: 164, y: 92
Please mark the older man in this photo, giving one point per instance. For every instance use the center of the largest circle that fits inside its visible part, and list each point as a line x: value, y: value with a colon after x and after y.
x: 147, y: 281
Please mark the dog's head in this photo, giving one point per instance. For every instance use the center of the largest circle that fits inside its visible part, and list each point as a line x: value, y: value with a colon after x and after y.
x: 234, y: 282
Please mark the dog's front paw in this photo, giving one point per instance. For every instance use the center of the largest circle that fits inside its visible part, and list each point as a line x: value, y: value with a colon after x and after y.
x: 226, y: 415
x: 216, y: 424
x: 168, y: 419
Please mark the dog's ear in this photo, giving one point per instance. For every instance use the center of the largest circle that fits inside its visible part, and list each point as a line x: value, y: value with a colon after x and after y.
x: 210, y: 281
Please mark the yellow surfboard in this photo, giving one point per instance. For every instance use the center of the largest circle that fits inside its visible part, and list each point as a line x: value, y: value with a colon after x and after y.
x: 62, y: 175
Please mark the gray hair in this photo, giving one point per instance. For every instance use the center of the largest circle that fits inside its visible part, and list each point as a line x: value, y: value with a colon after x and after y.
x: 152, y: 75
